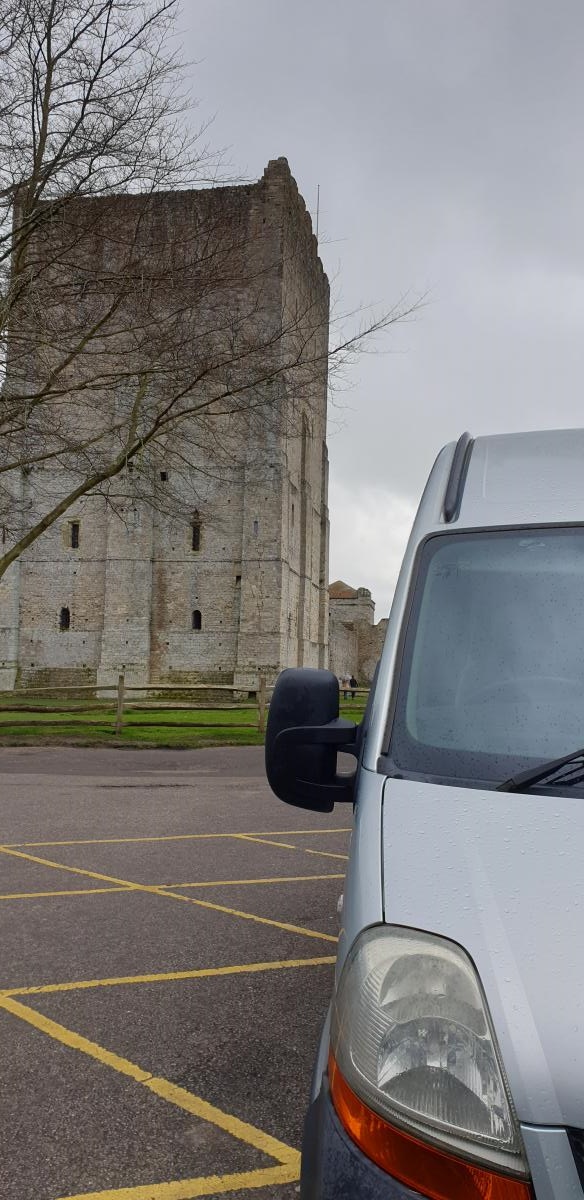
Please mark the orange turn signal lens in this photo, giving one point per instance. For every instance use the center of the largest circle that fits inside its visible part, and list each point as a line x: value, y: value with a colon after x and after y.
x: 438, y: 1175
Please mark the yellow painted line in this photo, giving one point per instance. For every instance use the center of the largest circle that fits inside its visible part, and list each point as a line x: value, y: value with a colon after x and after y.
x: 327, y: 854
x: 246, y: 882
x: 179, y: 837
x: 235, y: 912
x: 170, y: 1092
x: 248, y: 837
x: 70, y: 892
x: 232, y: 1125
x: 48, y: 862
x: 157, y: 891
x: 74, y: 1040
x: 188, y: 1189
x: 169, y: 976
x: 304, y: 832
x: 208, y: 883
x: 168, y: 837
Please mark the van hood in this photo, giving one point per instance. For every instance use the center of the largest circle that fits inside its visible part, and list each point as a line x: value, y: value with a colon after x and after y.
x: 502, y: 874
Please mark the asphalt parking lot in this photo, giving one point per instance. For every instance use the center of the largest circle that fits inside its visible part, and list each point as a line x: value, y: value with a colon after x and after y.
x: 167, y: 940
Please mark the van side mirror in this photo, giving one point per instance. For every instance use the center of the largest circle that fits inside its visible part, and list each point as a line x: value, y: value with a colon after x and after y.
x: 303, y: 737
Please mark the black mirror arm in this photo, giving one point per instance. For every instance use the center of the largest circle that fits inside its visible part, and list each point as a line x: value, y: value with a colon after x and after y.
x: 340, y: 733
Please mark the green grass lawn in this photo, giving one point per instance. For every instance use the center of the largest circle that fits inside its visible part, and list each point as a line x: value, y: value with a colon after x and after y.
x: 92, y: 723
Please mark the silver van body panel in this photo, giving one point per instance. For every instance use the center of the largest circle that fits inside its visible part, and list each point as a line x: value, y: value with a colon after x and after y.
x: 524, y: 479
x: 363, y: 887
x: 551, y: 1163
x: 502, y: 875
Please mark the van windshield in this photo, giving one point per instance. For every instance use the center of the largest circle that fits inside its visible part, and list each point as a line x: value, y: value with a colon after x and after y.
x: 492, y: 678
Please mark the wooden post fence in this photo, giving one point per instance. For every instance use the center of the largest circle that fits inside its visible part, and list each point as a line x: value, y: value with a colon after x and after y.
x: 120, y: 705
x: 262, y: 704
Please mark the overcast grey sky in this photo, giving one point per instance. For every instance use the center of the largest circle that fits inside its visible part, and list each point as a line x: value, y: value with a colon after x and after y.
x: 447, y: 139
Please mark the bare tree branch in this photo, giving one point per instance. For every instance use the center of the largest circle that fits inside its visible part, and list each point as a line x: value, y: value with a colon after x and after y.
x: 141, y: 327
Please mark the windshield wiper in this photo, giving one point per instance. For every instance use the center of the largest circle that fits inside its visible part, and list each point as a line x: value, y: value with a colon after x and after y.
x: 570, y: 770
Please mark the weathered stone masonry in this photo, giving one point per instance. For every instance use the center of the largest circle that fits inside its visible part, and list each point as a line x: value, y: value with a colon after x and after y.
x: 356, y: 643
x: 142, y: 592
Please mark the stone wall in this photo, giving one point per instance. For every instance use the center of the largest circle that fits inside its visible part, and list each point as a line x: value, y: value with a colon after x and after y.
x: 258, y: 578
x: 370, y: 645
x: 355, y: 642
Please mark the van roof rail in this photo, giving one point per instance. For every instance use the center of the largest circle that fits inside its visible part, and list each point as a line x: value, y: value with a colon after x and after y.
x: 457, y: 477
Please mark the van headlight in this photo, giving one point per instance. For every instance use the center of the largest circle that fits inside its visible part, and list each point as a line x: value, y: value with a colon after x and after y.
x: 412, y: 1037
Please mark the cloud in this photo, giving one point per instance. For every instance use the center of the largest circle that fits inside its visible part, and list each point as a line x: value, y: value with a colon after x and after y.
x: 368, y: 538
x: 448, y: 144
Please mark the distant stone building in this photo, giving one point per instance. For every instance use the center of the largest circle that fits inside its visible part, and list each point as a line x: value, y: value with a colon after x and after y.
x: 240, y: 587
x: 355, y: 642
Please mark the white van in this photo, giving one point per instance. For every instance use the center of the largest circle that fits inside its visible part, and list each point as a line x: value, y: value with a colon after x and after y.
x: 451, y: 1065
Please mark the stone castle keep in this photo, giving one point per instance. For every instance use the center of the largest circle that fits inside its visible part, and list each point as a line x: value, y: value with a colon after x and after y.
x: 235, y: 582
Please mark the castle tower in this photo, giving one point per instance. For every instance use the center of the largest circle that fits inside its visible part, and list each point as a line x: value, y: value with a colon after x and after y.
x: 230, y: 579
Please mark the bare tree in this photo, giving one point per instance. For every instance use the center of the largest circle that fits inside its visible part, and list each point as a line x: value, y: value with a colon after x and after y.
x: 126, y: 345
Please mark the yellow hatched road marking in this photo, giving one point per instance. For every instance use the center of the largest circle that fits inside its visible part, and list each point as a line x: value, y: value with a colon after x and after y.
x: 180, y: 837
x: 48, y: 862
x: 157, y: 891
x: 327, y: 854
x: 248, y: 837
x: 235, y: 912
x: 241, y: 882
x: 65, y: 892
x: 168, y: 976
x: 188, y: 1189
x: 241, y: 1130
x: 178, y: 1096
x: 208, y: 883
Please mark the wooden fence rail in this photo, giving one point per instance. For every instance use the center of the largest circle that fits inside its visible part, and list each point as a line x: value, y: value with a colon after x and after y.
x: 122, y: 690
